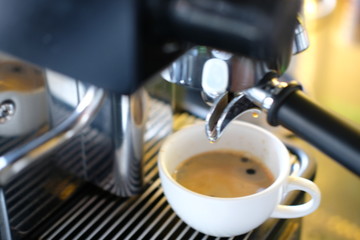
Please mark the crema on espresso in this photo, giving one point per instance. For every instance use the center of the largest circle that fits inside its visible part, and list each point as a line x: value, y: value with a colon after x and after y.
x: 223, y: 173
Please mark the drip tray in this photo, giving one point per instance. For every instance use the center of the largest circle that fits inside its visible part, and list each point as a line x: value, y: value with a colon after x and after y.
x: 48, y: 203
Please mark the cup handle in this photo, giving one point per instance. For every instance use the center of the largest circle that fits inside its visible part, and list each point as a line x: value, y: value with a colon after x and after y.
x: 302, y: 184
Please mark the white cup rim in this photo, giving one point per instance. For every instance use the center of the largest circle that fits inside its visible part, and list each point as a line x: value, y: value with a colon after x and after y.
x: 278, y: 181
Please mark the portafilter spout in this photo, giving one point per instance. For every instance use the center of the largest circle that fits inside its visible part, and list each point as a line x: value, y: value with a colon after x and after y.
x: 227, y: 107
x: 231, y: 105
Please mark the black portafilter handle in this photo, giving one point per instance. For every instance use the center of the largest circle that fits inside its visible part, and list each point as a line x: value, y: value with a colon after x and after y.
x: 330, y: 134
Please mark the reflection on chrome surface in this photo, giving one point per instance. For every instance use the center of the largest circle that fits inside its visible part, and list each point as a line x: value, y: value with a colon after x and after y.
x: 41, y: 111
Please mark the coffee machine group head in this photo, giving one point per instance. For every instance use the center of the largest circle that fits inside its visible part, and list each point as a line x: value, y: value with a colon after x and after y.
x: 230, y: 82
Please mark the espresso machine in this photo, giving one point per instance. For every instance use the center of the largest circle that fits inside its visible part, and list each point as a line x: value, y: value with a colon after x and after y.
x: 80, y: 130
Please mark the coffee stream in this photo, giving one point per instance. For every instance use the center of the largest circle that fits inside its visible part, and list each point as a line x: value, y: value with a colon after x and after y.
x: 223, y: 173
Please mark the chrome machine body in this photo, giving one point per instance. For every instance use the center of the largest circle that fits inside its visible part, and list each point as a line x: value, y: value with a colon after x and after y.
x: 44, y: 116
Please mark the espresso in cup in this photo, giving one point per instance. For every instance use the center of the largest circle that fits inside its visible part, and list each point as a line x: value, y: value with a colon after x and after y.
x: 231, y: 216
x: 223, y: 173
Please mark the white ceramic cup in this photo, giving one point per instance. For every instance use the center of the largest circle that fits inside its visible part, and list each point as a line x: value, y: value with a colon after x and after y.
x: 23, y: 85
x: 225, y: 217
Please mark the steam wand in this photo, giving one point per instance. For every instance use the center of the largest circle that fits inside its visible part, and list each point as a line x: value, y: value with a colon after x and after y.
x: 286, y: 105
